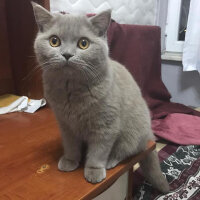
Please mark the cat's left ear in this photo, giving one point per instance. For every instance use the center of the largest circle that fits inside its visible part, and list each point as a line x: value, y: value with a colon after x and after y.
x: 101, y: 22
x: 42, y: 16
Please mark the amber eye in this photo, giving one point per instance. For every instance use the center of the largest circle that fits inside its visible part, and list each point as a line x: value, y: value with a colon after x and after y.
x: 54, y: 41
x: 83, y: 43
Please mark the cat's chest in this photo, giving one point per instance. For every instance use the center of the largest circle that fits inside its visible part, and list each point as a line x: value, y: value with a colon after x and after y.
x: 74, y: 114
x: 55, y: 92
x: 66, y: 102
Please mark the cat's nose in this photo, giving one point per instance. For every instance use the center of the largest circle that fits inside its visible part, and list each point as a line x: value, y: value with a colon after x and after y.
x: 67, y: 56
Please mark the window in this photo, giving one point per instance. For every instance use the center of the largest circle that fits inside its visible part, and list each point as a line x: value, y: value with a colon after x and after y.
x: 176, y: 24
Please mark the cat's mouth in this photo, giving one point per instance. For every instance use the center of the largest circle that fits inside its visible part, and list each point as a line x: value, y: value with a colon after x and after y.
x: 74, y: 65
x: 75, y: 62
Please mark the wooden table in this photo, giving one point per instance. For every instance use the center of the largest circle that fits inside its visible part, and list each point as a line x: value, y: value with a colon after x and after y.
x: 30, y: 146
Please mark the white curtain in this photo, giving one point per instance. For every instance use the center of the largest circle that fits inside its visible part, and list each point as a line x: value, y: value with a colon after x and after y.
x: 191, y: 49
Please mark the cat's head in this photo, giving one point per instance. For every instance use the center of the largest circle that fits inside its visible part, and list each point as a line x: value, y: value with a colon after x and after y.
x: 73, y: 43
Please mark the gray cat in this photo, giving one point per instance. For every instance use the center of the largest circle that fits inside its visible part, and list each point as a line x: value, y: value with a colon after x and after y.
x: 95, y: 99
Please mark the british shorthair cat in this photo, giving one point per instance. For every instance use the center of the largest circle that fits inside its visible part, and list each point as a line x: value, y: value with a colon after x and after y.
x: 95, y: 99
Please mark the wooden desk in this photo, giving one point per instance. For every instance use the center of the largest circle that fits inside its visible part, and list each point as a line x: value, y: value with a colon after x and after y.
x: 27, y: 142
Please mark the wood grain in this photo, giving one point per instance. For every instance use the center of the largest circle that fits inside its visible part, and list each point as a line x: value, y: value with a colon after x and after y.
x: 27, y: 142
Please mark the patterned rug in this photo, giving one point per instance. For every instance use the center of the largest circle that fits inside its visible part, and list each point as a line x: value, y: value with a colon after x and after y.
x: 181, y: 167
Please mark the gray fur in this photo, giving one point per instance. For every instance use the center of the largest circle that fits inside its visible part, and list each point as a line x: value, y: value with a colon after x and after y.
x: 95, y: 99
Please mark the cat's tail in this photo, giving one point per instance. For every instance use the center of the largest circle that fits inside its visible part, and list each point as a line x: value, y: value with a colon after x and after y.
x: 152, y: 172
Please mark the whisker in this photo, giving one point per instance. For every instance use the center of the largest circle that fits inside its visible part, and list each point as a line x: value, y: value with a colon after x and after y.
x: 94, y: 74
x: 37, y: 68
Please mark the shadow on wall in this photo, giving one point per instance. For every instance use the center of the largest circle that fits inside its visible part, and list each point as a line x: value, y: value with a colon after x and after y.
x: 183, y: 86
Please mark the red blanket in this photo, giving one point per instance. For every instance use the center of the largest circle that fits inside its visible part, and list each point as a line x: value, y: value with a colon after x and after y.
x: 138, y: 48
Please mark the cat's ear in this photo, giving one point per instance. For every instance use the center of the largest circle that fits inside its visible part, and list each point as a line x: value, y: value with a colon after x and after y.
x: 42, y: 16
x: 101, y: 22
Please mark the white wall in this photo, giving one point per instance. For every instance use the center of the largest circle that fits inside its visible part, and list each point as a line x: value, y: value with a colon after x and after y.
x: 183, y: 86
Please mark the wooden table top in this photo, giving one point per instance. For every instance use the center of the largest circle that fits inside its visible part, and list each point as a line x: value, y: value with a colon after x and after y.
x: 30, y: 146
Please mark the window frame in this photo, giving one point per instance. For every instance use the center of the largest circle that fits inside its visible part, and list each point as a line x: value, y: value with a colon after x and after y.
x: 172, y: 27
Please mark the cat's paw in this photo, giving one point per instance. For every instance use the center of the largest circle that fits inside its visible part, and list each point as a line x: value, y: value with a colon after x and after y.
x: 67, y: 165
x: 94, y: 175
x: 111, y: 163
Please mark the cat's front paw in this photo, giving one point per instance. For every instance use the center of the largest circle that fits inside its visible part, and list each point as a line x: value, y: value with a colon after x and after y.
x: 67, y: 165
x: 94, y: 175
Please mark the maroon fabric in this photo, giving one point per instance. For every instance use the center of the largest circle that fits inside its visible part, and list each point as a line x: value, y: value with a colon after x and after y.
x: 180, y: 128
x: 138, y: 48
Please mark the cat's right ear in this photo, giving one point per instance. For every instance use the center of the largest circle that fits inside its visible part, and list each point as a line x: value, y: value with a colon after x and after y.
x: 42, y: 16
